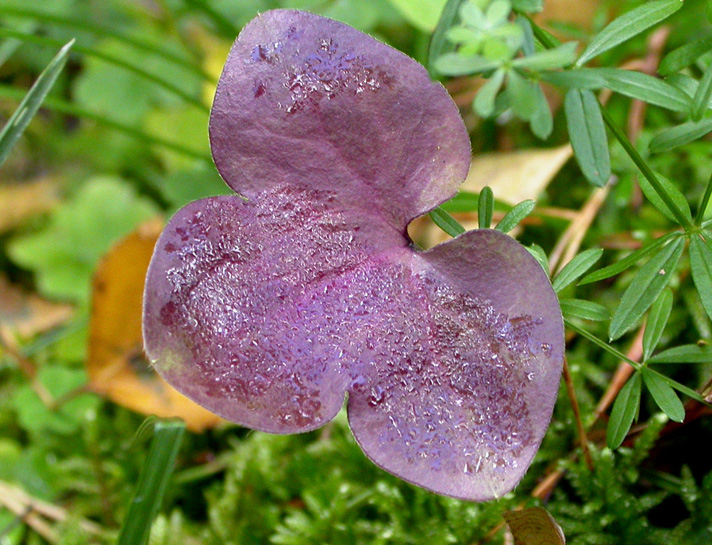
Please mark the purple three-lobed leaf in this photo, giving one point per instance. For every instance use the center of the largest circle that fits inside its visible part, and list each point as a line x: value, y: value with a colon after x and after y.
x: 268, y: 307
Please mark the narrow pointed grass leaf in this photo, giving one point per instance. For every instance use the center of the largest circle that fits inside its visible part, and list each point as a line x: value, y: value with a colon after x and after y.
x: 483, y: 104
x: 701, y: 100
x: 684, y: 390
x: 99, y: 30
x: 701, y: 268
x: 645, y: 288
x: 704, y: 201
x: 15, y: 126
x: 446, y: 222
x: 664, y: 396
x: 687, y: 353
x: 675, y: 196
x: 515, y: 215
x: 116, y: 61
x: 684, y: 56
x: 153, y: 480
x: 439, y: 43
x: 657, y: 319
x: 585, y: 310
x: 644, y: 87
x: 542, y: 122
x: 68, y: 108
x: 575, y: 268
x: 7, y: 49
x: 625, y: 409
x: 581, y: 78
x: 485, y: 208
x: 588, y: 135
x: 549, y: 59
x: 628, y: 25
x: 629, y: 260
x: 680, y: 135
x: 540, y: 255
x: 454, y: 64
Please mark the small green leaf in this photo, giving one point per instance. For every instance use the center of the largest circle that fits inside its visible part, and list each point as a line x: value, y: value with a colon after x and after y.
x: 542, y: 122
x: 586, y: 310
x: 497, y: 12
x: 644, y: 87
x: 625, y: 409
x: 485, y: 208
x: 575, y: 268
x: 704, y: 201
x: 645, y: 288
x: 454, y: 64
x: 672, y: 192
x: 628, y: 25
x: 628, y: 261
x: 581, y: 78
x: 701, y: 268
x: 439, y: 43
x: 446, y: 222
x: 679, y: 135
x: 522, y: 95
x: 515, y: 215
x: 687, y: 353
x: 152, y: 483
x: 32, y: 101
x: 657, y: 319
x: 684, y: 56
x: 701, y: 100
x: 548, y: 59
x: 532, y: 6
x: 484, y: 101
x: 588, y: 135
x: 539, y: 254
x: 664, y: 396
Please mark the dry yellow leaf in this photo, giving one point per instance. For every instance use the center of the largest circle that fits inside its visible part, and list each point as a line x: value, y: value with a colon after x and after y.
x: 117, y: 366
x: 534, y: 526
x: 27, y: 314
x: 20, y: 201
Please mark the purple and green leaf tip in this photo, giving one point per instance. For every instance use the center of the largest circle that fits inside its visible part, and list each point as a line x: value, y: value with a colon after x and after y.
x: 268, y: 307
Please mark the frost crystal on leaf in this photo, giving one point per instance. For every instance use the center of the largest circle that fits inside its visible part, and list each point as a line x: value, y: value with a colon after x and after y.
x: 269, y: 310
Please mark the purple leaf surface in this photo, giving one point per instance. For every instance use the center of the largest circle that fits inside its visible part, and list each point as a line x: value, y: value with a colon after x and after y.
x: 268, y: 311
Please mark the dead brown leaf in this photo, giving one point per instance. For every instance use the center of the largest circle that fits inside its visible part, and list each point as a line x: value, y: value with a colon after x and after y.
x: 27, y: 314
x: 20, y: 201
x: 117, y: 366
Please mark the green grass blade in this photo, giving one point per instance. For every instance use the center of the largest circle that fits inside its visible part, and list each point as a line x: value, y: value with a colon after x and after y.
x: 645, y: 288
x: 222, y: 23
x: 168, y: 86
x: 701, y: 268
x: 628, y: 261
x: 701, y: 100
x: 98, y: 30
x: 485, y: 208
x: 680, y: 135
x: 588, y: 135
x: 65, y: 107
x: 446, y: 222
x: 515, y: 215
x: 664, y: 396
x: 687, y: 353
x: 156, y: 471
x: 625, y: 409
x: 31, y: 102
x: 439, y: 44
x: 575, y: 268
x: 684, y: 56
x: 585, y: 310
x: 628, y: 25
x: 657, y: 320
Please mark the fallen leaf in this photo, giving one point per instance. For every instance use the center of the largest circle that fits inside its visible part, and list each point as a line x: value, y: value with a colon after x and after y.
x: 116, y: 364
x: 534, y: 526
x: 21, y: 201
x: 517, y: 175
x: 27, y: 314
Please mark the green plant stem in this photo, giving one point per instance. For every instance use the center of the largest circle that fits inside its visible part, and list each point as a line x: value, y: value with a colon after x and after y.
x: 65, y: 107
x: 602, y: 344
x: 99, y: 30
x: 31, y: 38
x: 645, y: 169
